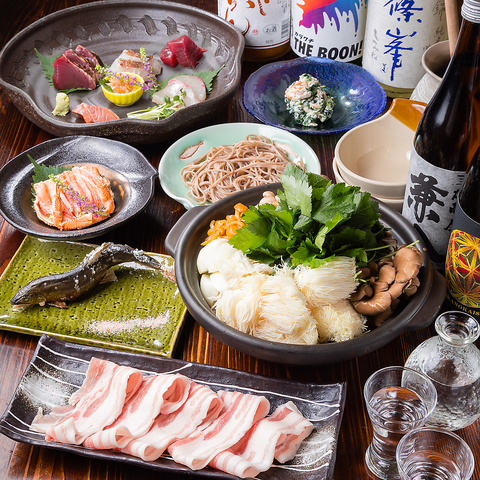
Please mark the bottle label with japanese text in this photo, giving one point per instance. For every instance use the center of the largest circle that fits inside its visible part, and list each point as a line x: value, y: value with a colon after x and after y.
x: 462, y: 266
x: 328, y: 29
x: 263, y: 24
x: 429, y: 205
x: 396, y: 36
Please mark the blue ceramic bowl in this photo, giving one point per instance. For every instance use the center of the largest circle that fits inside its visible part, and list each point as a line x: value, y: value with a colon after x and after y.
x: 359, y: 97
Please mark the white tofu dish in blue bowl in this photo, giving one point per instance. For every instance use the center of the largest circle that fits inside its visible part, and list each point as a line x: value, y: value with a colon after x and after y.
x: 313, y: 95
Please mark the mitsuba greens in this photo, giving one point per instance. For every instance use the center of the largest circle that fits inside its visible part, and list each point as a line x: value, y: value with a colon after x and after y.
x: 315, y: 221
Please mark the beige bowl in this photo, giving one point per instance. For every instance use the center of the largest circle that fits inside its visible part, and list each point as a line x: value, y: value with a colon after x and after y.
x: 375, y: 156
x: 394, y: 203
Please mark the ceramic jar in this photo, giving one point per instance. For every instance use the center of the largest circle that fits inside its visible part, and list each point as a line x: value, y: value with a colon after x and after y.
x: 434, y: 61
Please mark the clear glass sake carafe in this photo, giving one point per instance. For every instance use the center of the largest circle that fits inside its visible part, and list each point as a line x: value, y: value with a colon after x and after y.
x: 452, y: 361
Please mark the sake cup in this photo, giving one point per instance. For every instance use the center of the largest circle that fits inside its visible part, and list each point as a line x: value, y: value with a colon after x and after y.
x: 398, y: 400
x: 435, y: 453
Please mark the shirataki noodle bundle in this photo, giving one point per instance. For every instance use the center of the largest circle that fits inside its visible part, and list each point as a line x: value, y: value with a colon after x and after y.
x: 226, y: 169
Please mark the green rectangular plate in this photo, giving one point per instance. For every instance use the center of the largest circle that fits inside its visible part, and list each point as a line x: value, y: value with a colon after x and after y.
x: 140, y: 312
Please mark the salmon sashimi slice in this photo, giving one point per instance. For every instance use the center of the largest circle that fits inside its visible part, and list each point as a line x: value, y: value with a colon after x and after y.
x: 94, y: 113
x: 62, y: 207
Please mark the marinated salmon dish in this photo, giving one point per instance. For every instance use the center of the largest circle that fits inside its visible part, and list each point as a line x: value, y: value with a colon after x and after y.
x: 74, y: 199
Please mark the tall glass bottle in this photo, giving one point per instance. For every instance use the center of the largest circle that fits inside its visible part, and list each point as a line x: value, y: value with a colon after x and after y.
x: 447, y: 137
x: 462, y: 265
x: 265, y: 26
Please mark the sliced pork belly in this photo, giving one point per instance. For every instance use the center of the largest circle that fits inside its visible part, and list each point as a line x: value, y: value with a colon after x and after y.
x: 186, y: 51
x: 131, y: 62
x: 202, y: 406
x: 68, y: 75
x: 277, y: 436
x: 158, y: 394
x: 95, y: 405
x: 239, y: 414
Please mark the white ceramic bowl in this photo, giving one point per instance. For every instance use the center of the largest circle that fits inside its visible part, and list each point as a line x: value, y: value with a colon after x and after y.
x: 376, y: 155
x: 394, y: 203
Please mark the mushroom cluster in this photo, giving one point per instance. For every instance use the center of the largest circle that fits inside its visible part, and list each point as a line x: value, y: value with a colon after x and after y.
x: 384, y: 283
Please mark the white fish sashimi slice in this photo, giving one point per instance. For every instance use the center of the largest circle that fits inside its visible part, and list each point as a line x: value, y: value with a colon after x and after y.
x: 196, y: 84
x: 176, y: 87
x: 131, y: 62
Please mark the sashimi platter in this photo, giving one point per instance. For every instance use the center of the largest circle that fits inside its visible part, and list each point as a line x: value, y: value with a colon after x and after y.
x: 120, y: 70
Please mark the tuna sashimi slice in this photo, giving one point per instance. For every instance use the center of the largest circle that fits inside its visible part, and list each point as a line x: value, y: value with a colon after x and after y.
x: 167, y: 57
x: 202, y: 406
x: 95, y: 405
x: 92, y: 57
x: 277, y: 436
x: 68, y: 75
x: 186, y: 51
x: 158, y: 394
x: 84, y: 62
x: 94, y: 113
x: 240, y: 413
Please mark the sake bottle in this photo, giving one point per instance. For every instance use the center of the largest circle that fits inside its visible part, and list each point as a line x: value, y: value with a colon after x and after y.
x: 462, y: 265
x: 446, y: 140
x: 264, y: 25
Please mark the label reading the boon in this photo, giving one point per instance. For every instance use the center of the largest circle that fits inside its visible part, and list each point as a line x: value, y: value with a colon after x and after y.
x: 328, y: 29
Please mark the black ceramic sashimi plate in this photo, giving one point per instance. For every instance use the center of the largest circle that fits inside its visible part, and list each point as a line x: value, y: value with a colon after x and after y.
x: 107, y: 28
x: 57, y: 370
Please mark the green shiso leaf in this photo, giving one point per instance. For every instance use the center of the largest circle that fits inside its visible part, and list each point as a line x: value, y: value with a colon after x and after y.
x: 315, y: 221
x: 209, y: 77
x: 47, y: 66
x: 42, y: 172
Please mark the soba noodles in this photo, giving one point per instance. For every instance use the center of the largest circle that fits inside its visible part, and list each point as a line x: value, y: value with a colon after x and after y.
x: 226, y: 169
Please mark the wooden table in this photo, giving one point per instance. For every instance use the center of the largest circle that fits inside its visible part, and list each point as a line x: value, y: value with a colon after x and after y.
x: 148, y: 231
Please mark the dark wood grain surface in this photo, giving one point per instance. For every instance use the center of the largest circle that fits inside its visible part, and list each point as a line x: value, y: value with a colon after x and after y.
x: 148, y: 231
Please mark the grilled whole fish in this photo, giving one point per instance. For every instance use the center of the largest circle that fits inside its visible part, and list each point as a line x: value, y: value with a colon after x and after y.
x: 59, y: 288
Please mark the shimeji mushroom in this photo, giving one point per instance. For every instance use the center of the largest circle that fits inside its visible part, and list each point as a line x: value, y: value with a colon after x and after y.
x: 394, y: 279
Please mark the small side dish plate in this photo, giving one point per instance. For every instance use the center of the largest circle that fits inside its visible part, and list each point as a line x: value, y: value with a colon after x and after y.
x: 131, y: 176
x: 224, y: 134
x: 107, y: 28
x: 142, y: 311
x: 359, y: 97
x: 57, y: 369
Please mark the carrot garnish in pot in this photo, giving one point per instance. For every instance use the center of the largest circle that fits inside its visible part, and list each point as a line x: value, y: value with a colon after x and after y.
x: 226, y: 228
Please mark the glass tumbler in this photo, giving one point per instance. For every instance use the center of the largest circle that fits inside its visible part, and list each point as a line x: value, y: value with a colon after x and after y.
x: 434, y: 453
x: 398, y: 399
